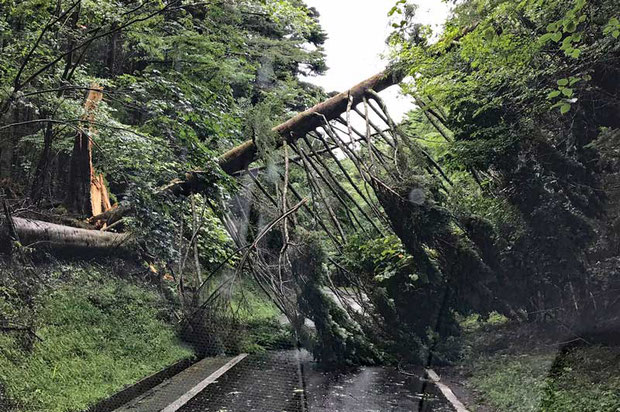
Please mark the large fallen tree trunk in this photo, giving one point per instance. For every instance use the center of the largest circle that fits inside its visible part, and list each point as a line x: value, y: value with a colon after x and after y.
x: 35, y: 232
x: 240, y: 157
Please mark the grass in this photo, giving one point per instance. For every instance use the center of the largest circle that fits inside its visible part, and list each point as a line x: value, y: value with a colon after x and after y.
x: 585, y: 379
x: 512, y: 368
x: 511, y: 383
x: 262, y: 329
x: 242, y: 319
x: 98, y: 333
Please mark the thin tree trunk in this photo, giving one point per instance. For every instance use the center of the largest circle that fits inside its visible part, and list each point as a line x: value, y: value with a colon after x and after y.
x: 8, y: 137
x: 41, y: 175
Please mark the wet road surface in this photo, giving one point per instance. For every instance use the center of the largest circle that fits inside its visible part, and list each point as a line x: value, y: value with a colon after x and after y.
x: 370, y: 389
x: 289, y: 381
x: 265, y: 382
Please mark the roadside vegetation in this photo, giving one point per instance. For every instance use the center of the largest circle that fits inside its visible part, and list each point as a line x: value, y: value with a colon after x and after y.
x: 91, y: 333
x: 524, y: 368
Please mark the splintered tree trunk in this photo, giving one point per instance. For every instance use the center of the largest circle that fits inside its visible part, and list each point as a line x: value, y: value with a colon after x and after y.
x: 99, y: 197
x: 86, y: 192
x: 35, y: 232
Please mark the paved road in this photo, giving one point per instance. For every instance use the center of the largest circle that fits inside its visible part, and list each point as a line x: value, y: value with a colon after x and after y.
x: 261, y: 383
x: 290, y: 381
x: 370, y: 389
x: 174, y: 388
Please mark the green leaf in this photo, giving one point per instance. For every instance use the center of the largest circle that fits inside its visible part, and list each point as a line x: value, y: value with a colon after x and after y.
x: 556, y: 37
x: 575, y: 53
x: 564, y: 108
x: 570, y: 26
x: 553, y: 94
x: 489, y: 34
x: 567, y: 43
x: 567, y: 92
x: 546, y: 37
x: 563, y: 82
x: 615, y: 33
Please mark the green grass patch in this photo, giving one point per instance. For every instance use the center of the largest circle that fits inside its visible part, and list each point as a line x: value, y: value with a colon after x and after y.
x: 97, y: 335
x: 585, y: 379
x: 260, y: 318
x: 512, y: 383
x: 243, y: 319
x: 513, y: 368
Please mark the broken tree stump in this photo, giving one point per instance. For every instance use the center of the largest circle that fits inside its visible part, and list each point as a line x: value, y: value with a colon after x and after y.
x: 86, y: 193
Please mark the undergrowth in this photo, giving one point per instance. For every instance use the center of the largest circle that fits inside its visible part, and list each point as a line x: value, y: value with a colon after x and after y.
x: 519, y: 368
x: 243, y: 321
x: 95, y: 333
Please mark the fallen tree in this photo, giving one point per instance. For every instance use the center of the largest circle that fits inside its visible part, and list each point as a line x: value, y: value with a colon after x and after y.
x: 31, y: 232
x: 241, y: 156
x: 238, y: 158
x: 234, y: 160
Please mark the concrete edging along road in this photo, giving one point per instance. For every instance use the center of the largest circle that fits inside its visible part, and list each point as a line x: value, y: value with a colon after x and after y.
x: 446, y: 391
x: 176, y: 405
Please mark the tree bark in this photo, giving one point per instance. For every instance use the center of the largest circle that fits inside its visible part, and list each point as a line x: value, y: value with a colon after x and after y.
x: 241, y: 156
x: 34, y: 232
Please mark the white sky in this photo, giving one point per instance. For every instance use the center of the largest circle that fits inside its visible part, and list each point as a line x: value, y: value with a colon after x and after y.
x: 357, y: 30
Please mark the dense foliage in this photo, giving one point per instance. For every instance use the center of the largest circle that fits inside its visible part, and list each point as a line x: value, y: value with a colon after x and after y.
x: 522, y: 94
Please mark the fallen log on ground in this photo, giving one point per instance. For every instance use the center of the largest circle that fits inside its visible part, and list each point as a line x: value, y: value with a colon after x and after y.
x: 36, y: 232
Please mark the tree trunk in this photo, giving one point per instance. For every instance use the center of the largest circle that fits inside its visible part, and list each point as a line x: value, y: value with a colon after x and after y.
x: 41, y: 179
x: 239, y: 157
x: 36, y: 232
x: 86, y: 192
x: 8, y: 138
